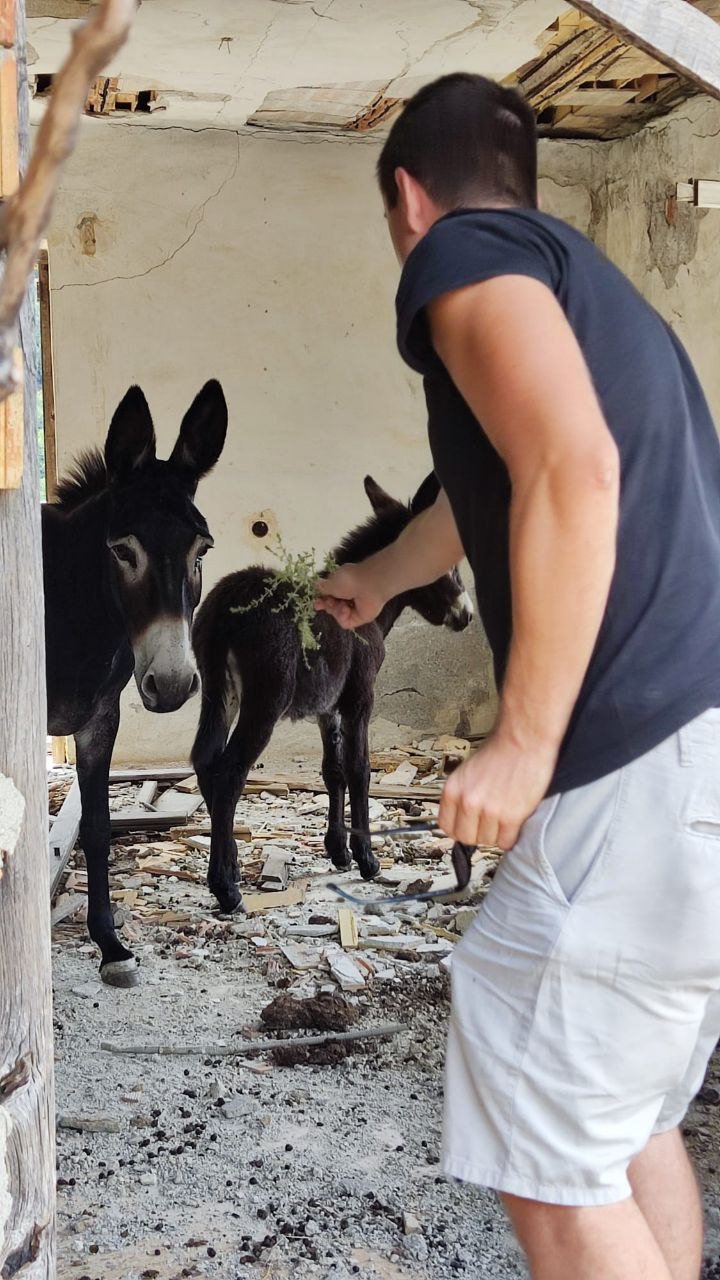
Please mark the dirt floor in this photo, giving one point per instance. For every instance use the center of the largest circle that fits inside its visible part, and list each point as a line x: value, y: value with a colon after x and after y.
x: 211, y: 1165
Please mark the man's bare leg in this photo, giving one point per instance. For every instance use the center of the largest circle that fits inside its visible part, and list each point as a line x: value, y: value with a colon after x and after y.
x: 666, y: 1191
x: 606, y: 1242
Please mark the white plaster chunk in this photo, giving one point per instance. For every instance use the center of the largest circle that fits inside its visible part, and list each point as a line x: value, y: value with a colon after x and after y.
x: 12, y: 811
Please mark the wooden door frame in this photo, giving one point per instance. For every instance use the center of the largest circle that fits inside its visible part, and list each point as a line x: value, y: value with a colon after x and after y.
x: 48, y: 378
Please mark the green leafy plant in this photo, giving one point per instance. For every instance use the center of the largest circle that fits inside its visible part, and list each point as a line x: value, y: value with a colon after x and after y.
x: 294, y: 583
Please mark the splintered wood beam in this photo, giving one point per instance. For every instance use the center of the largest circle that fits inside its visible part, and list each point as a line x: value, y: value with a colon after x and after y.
x: 674, y: 32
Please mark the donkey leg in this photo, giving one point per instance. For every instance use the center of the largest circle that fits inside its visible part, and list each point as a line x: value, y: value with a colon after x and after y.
x: 210, y: 739
x: 247, y: 740
x: 94, y: 744
x: 356, y: 759
x: 336, y: 845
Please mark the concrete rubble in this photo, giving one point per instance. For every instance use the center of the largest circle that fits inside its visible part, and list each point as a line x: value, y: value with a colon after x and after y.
x: 230, y: 1166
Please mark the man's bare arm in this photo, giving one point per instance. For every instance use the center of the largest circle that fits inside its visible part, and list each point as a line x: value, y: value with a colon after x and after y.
x: 427, y: 548
x: 513, y: 356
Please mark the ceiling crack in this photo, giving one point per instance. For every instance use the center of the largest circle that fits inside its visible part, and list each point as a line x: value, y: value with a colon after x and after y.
x: 93, y: 284
x: 450, y: 38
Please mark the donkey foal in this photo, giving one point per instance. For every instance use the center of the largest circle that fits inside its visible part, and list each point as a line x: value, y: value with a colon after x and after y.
x: 254, y: 673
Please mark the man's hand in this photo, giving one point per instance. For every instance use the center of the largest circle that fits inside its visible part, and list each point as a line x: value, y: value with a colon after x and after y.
x: 351, y: 595
x: 489, y: 797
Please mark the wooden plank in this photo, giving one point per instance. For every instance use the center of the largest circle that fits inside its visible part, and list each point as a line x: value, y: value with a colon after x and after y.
x: 176, y: 802
x: 8, y: 127
x: 156, y: 772
x: 582, y: 57
x: 7, y: 23
x: 347, y: 924
x: 48, y: 375
x: 254, y: 903
x: 596, y: 98
x: 12, y: 410
x: 67, y: 905
x: 147, y: 793
x: 63, y: 834
x: 674, y: 32
x: 138, y: 819
x: 12, y: 433
x: 59, y: 750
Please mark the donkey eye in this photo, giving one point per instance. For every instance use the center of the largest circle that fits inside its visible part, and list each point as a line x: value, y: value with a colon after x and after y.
x: 124, y: 554
x: 202, y: 551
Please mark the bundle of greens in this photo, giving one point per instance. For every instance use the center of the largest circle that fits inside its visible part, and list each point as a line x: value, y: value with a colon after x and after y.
x: 294, y: 583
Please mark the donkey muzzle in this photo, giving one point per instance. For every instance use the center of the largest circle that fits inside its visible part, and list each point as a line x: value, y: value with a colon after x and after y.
x: 165, y: 670
x: 461, y: 614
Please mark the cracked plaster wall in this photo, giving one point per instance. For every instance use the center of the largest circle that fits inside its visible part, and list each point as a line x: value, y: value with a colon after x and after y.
x: 262, y: 261
x: 674, y: 259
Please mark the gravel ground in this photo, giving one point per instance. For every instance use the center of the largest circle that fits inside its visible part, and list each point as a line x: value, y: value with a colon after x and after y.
x: 228, y: 1167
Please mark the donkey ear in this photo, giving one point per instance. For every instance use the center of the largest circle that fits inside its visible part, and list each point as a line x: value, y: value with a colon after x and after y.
x: 426, y: 494
x: 202, y: 434
x: 130, y: 442
x: 379, y: 499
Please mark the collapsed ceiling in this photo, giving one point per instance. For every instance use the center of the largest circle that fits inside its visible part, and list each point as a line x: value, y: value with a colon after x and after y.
x: 347, y: 65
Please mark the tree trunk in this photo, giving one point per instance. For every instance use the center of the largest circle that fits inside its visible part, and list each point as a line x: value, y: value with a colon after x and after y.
x: 27, y: 1125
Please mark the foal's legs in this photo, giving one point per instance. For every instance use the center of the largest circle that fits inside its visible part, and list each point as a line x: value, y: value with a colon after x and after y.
x: 334, y: 778
x: 94, y: 744
x: 356, y: 760
x: 253, y: 731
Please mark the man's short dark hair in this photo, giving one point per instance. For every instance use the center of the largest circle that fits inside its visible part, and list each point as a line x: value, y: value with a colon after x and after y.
x: 467, y: 140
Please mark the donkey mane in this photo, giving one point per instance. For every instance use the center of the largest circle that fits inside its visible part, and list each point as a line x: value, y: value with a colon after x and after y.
x: 86, y: 478
x: 375, y: 534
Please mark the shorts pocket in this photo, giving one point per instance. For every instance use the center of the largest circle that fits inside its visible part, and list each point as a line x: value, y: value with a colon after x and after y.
x: 700, y: 814
x: 577, y: 835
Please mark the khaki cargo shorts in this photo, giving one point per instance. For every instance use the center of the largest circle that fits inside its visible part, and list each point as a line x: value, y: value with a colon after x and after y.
x: 586, y: 994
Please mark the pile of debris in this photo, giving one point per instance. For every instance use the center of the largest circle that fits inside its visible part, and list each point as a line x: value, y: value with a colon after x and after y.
x: 304, y: 942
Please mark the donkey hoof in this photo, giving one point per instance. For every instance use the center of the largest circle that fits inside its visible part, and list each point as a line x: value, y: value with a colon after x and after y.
x: 120, y: 973
x: 368, y: 867
x: 342, y: 859
x: 336, y: 848
x: 229, y: 900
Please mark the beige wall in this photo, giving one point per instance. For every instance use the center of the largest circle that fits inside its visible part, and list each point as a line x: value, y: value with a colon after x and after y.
x: 264, y: 262
x: 674, y: 259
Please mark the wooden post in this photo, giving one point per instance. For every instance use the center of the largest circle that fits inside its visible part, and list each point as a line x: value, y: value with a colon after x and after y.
x: 27, y: 1122
x: 673, y: 31
x: 11, y: 410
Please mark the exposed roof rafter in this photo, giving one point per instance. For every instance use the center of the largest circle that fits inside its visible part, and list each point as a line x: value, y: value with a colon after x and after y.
x: 678, y: 34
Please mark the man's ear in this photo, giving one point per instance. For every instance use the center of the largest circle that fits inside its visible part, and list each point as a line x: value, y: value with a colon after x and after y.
x: 417, y: 208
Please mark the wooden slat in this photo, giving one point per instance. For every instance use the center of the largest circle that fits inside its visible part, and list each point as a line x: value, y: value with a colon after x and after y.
x: 48, y: 378
x: 584, y: 57
x: 12, y: 433
x: 63, y: 834
x: 12, y: 410
x: 674, y: 32
x: 596, y: 99
x: 157, y: 773
x: 8, y: 127
x: 7, y: 24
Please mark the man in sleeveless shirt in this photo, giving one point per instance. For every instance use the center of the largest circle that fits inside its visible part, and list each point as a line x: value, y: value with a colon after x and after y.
x: 580, y: 475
